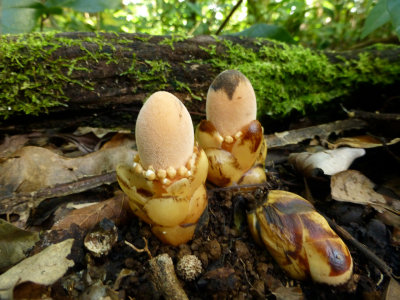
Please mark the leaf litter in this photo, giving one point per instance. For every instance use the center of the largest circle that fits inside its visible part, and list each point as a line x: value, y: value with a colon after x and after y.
x: 239, y: 269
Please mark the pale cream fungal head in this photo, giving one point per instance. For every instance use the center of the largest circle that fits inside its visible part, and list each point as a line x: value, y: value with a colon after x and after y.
x: 231, y: 102
x: 164, y: 132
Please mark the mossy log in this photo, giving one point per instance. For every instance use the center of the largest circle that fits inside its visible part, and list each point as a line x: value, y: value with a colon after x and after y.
x: 81, y: 74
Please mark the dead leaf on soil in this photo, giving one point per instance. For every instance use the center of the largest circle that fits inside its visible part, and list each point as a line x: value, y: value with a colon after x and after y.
x: 393, y: 290
x: 282, y: 292
x: 120, y: 139
x: 12, y: 144
x: 363, y: 141
x: 98, y: 131
x: 14, y: 242
x: 329, y: 161
x: 115, y: 209
x: 288, y: 293
x: 33, y: 168
x: 43, y: 268
x: 353, y: 186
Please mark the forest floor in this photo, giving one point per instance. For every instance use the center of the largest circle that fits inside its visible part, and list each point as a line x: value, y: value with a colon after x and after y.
x: 233, y: 265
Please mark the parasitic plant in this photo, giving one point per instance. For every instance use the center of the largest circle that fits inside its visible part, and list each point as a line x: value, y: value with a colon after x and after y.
x: 165, y: 183
x: 294, y: 233
x: 231, y: 136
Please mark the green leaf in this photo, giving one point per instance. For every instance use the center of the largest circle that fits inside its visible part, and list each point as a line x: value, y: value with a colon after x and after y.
x: 378, y: 16
x: 92, y: 6
x: 393, y: 6
x: 267, y: 31
x: 17, y: 17
x: 45, y: 9
x: 14, y: 242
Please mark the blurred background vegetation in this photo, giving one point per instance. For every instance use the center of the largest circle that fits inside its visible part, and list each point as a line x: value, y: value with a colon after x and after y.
x: 330, y: 24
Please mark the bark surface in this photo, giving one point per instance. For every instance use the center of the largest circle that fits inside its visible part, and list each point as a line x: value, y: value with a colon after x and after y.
x: 111, y: 75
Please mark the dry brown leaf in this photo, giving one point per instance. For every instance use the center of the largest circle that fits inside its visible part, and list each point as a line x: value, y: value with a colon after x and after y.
x: 116, y: 209
x: 33, y: 168
x: 282, y: 292
x: 364, y: 141
x: 288, y: 293
x: 44, y: 268
x: 14, y: 242
x: 353, y: 186
x: 98, y: 131
x: 30, y: 290
x: 119, y: 139
x: 389, y: 218
x: 393, y: 290
x: 12, y: 144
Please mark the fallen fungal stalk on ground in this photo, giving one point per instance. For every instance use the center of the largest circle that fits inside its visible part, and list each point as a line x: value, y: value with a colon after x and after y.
x: 294, y: 233
x: 329, y: 161
x: 231, y: 137
x: 299, y: 238
x: 165, y: 184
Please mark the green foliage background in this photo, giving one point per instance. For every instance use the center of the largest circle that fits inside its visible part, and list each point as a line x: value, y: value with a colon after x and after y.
x: 333, y: 24
x: 289, y: 78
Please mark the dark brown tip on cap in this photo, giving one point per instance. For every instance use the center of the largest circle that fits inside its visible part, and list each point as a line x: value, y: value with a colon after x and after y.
x: 228, y: 81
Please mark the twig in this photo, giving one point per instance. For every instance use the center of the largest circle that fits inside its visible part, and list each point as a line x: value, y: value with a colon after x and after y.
x: 162, y: 274
x: 239, y: 187
x: 145, y: 249
x: 228, y: 17
x: 245, y: 273
x: 366, y: 115
x: 20, y: 201
x: 323, y: 131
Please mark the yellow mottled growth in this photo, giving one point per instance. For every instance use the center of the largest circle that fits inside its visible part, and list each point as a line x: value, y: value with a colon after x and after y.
x: 165, y: 183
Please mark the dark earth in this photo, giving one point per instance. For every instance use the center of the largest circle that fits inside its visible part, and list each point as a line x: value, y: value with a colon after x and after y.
x: 234, y: 267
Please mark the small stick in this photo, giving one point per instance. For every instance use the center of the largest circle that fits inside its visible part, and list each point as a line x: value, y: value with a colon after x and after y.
x: 20, y: 201
x: 145, y: 249
x: 323, y: 131
x: 240, y: 187
x: 228, y: 17
x: 245, y: 273
x: 162, y: 274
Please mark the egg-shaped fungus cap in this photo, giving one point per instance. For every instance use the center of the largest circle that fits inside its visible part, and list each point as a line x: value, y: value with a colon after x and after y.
x: 231, y: 102
x: 164, y: 132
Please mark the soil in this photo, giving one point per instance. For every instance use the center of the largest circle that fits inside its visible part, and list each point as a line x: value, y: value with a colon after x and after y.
x: 233, y: 265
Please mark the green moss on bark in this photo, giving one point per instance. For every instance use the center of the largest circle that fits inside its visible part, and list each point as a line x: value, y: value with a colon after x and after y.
x: 34, y: 76
x: 287, y: 78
